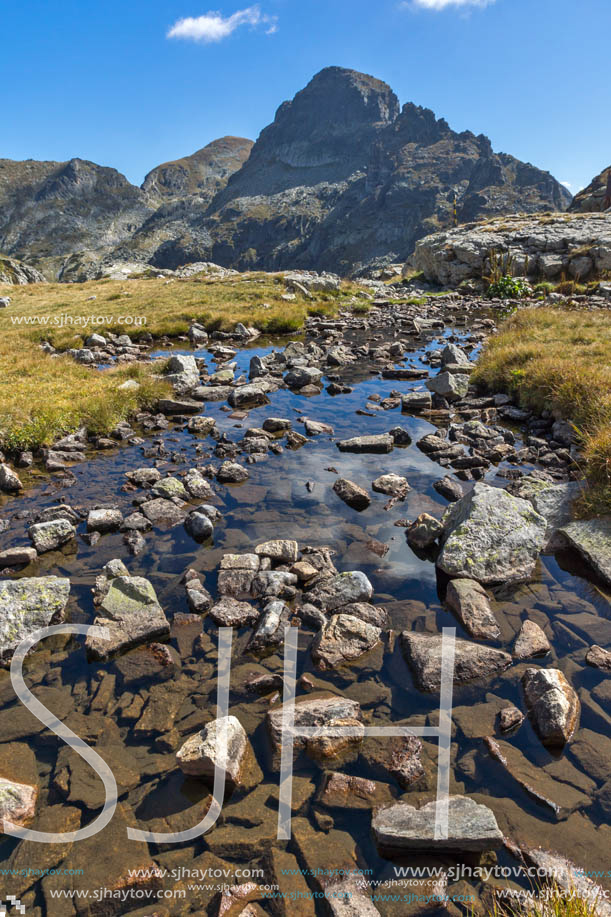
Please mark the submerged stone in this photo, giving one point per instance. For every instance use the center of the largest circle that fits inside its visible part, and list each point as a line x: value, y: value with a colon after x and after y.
x: 26, y: 605
x: 400, y: 828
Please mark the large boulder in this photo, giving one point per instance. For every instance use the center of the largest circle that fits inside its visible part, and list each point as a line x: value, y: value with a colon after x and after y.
x: 491, y: 536
x: 28, y: 604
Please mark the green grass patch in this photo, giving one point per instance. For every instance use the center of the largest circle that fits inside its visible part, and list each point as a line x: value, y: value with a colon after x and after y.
x: 560, y: 360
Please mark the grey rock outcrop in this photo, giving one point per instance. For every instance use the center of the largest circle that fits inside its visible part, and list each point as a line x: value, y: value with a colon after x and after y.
x: 16, y: 272
x: 576, y: 244
x: 341, y: 180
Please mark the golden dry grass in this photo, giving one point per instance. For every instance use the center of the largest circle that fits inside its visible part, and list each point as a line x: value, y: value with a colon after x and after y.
x: 560, y: 360
x: 43, y: 397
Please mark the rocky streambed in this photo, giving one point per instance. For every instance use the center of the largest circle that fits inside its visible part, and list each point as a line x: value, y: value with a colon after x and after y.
x: 352, y: 485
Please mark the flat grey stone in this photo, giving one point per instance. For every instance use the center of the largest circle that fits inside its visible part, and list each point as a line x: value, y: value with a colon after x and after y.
x: 400, y: 828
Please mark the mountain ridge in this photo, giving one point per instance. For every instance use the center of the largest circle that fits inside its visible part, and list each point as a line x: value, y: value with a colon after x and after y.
x: 344, y: 178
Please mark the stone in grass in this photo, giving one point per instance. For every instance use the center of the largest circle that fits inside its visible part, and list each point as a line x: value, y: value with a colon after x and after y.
x: 27, y: 604
x: 469, y: 601
x: 471, y: 660
x: 132, y: 615
x: 491, y: 536
x: 49, y: 536
x: 400, y: 828
x: 222, y: 743
x: 343, y: 639
x: 552, y: 704
x: 351, y: 494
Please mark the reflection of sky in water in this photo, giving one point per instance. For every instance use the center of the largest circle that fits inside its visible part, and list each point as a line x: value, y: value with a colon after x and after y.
x: 275, y: 503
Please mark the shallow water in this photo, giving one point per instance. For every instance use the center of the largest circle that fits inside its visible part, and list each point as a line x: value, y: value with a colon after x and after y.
x: 275, y: 503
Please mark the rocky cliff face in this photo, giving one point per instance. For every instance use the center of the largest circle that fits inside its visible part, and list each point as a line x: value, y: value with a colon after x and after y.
x: 50, y: 209
x: 545, y: 247
x: 343, y: 179
x: 593, y: 198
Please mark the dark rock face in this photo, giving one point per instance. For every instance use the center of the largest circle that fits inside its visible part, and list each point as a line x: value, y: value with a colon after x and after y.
x: 342, y: 179
x: 48, y: 210
x: 593, y: 198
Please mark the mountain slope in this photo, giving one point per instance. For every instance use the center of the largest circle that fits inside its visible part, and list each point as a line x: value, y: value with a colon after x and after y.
x: 593, y: 198
x: 342, y: 179
x: 204, y: 172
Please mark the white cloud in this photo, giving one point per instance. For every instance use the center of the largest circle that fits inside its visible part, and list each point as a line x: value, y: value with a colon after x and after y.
x: 442, y: 4
x: 213, y: 26
x: 567, y: 184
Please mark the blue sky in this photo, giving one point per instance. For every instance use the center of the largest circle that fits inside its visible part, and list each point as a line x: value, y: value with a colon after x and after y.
x: 132, y: 84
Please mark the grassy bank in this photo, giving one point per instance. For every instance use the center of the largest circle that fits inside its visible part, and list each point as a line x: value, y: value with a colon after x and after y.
x: 42, y: 397
x: 560, y: 359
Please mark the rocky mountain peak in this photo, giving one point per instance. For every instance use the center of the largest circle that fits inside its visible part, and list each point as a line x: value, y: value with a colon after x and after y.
x: 343, y: 179
x: 419, y: 125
